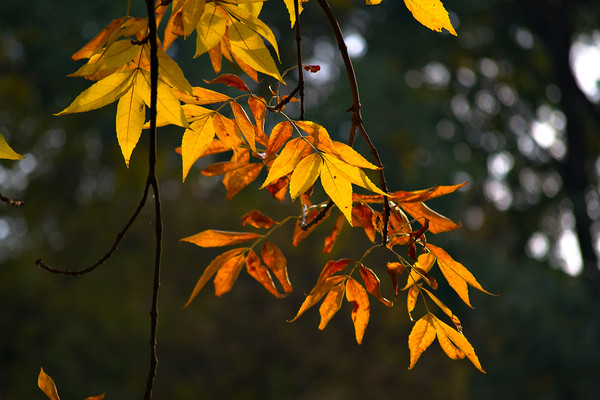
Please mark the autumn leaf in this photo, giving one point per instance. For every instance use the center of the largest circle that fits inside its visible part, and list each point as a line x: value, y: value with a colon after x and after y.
x: 261, y: 273
x: 372, y: 284
x: 99, y: 40
x: 210, y: 30
x: 424, y: 264
x: 7, y: 152
x: 250, y: 48
x: 305, y: 174
x: 458, y: 340
x: 257, y: 219
x: 216, y: 238
x: 47, y: 385
x: 332, y: 303
x: 456, y: 274
x: 357, y: 295
x: 276, y: 261
x: 316, y: 294
x: 420, y: 338
x: 201, y: 96
x: 287, y: 160
x: 411, y: 298
x: 244, y: 124
x: 335, y: 233
x: 259, y: 108
x: 113, y: 57
x: 350, y: 156
x: 131, y: 114
x: 437, y: 222
x: 445, y: 309
x: 362, y: 215
x: 170, y: 72
x: 230, y: 80
x: 196, y: 141
x: 430, y: 13
x: 338, y: 188
x: 228, y: 273
x: 280, y: 134
x: 234, y: 181
x: 424, y: 195
x: 291, y: 10
x: 191, y: 12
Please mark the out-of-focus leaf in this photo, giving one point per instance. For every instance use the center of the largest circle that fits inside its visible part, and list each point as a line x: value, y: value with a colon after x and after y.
x: 47, y: 385
x: 335, y: 233
x: 257, y: 220
x: 7, y: 152
x: 430, y: 13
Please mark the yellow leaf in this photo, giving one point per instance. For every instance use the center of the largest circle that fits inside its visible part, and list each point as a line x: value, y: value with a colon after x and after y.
x: 244, y: 124
x: 191, y: 13
x: 216, y: 238
x: 169, y: 107
x: 373, y: 2
x: 101, y: 93
x: 411, y: 298
x: 276, y: 261
x: 456, y: 274
x: 424, y: 263
x: 445, y: 309
x: 210, y: 30
x: 287, y: 160
x: 357, y: 295
x: 196, y: 141
x: 321, y: 289
x: 47, y: 385
x: 230, y: 256
x: 351, y: 173
x: 131, y: 114
x: 338, y: 188
x: 430, y: 13
x: 291, y: 10
x: 7, y: 152
x: 305, y: 174
x: 250, y: 48
x: 351, y: 156
x: 99, y: 40
x: 420, y: 338
x: 319, y: 137
x: 228, y: 273
x: 170, y: 72
x: 118, y: 54
x: 331, y: 304
x: 459, y: 341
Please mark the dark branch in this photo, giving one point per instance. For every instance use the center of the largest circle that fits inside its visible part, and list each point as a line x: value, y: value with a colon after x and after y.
x: 11, y: 202
x: 299, y: 56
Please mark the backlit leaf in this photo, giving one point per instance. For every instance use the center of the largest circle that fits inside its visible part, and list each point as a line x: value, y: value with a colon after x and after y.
x: 226, y: 132
x: 316, y: 294
x: 196, y: 141
x: 239, y: 178
x: 210, y: 30
x: 420, y: 338
x: 319, y: 137
x: 257, y: 219
x: 337, y: 187
x: 191, y: 12
x: 335, y: 233
x: 228, y: 273
x: 437, y: 222
x: 101, y: 93
x: 449, y: 348
x: 7, y: 152
x: 411, y: 298
x: 424, y: 195
x: 350, y: 156
x: 170, y: 72
x: 118, y: 54
x: 261, y: 273
x: 244, y: 124
x: 251, y: 21
x: 305, y: 174
x: 362, y: 215
x: 230, y: 256
x: 131, y: 114
x: 430, y: 13
x: 99, y: 40
x: 372, y: 284
x: 230, y: 80
x: 291, y: 10
x: 287, y: 160
x: 259, y: 109
x: 357, y: 295
x: 459, y: 341
x: 168, y: 106
x: 331, y: 304
x: 250, y: 48
x: 351, y: 173
x: 201, y: 96
x: 47, y: 385
x: 456, y: 274
x: 217, y: 238
x: 424, y: 263
x: 445, y: 309
x: 276, y: 261
x: 279, y: 137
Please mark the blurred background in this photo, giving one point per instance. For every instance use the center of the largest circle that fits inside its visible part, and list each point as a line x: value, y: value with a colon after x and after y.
x: 510, y: 105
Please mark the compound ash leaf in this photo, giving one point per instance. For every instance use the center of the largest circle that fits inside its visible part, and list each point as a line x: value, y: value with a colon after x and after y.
x: 261, y: 273
x: 319, y: 137
x: 446, y: 344
x: 217, y: 238
x: 6, y: 152
x: 131, y: 114
x: 335, y: 233
x: 357, y: 295
x: 259, y: 109
x: 287, y: 160
x: 305, y: 174
x: 394, y: 269
x: 168, y: 106
x: 239, y: 178
x: 372, y: 284
x: 353, y: 174
x: 278, y: 189
x: 228, y: 273
x: 276, y: 261
x: 170, y: 72
x: 424, y: 264
x: 430, y: 13
x: 113, y: 57
x: 459, y: 341
x: 331, y: 304
x: 257, y: 219
x: 231, y: 256
x: 47, y: 385
x: 210, y: 30
x: 196, y: 141
x: 226, y: 132
x: 437, y: 222
x: 248, y: 45
x: 101, y: 93
x: 456, y: 274
x: 244, y: 124
x: 420, y: 338
x: 362, y: 215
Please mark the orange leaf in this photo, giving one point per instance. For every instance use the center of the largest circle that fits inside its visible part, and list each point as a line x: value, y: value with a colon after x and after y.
x: 225, y: 131
x: 216, y: 57
x: 446, y: 310
x: 357, y: 295
x: 372, y: 284
x: 411, y: 298
x: 261, y: 273
x: 201, y: 96
x: 228, y: 273
x: 287, y: 160
x: 99, y: 40
x: 277, y: 262
x: 394, y: 269
x: 317, y: 293
x: 456, y: 274
x: 318, y: 135
x: 362, y: 215
x: 219, y: 168
x: 424, y: 264
x: 449, y: 348
x: 259, y: 109
x: 459, y: 341
x: 351, y: 156
x: 331, y: 304
x: 47, y: 385
x: 279, y: 188
x: 279, y: 136
x: 423, y: 195
x: 244, y: 124
x: 299, y: 233
x: 332, y: 267
x: 230, y: 256
x: 216, y: 238
x: 257, y: 220
x: 421, y: 337
x: 239, y: 178
x: 437, y: 222
x: 231, y: 81
x: 335, y: 233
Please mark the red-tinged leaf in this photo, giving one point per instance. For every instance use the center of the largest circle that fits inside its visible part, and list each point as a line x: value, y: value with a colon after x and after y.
x: 216, y: 238
x: 317, y: 293
x: 459, y: 341
x: 216, y: 57
x: 99, y: 397
x: 231, y: 81
x: 421, y: 337
x: 318, y: 135
x: 279, y: 188
x: 230, y: 256
x: 335, y: 234
x: 437, y: 222
x: 276, y: 261
x: 372, y: 284
x: 287, y: 160
x: 225, y: 131
x: 456, y: 274
x: 362, y: 215
x: 333, y: 267
x: 280, y: 134
x: 312, y: 68
x: 257, y: 220
x: 258, y: 107
x: 219, y: 168
x: 239, y: 178
x: 423, y: 265
x: 394, y: 269
x: 99, y: 40
x: 424, y: 195
x: 201, y: 96
x: 331, y: 304
x: 411, y: 299
x: 261, y: 273
x: 47, y: 385
x: 446, y: 310
x: 357, y: 295
x: 244, y: 124
x: 228, y: 273
x: 400, y: 228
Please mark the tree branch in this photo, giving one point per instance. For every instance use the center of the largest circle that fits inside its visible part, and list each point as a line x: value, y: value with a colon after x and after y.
x: 11, y: 202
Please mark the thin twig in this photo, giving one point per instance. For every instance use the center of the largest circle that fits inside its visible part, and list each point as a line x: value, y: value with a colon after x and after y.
x: 11, y: 202
x: 299, y: 56
x: 356, y: 111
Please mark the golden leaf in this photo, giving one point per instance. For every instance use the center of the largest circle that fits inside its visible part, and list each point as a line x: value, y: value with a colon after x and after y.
x: 113, y: 57
x: 7, y: 152
x: 244, y: 124
x: 261, y: 273
x: 305, y: 174
x: 337, y: 186
x: 210, y: 30
x: 131, y: 114
x: 241, y: 177
x: 228, y: 273
x: 437, y: 222
x: 424, y: 263
x: 196, y: 141
x: 351, y: 156
x: 191, y: 13
x: 278, y: 138
x: 99, y: 40
x: 47, y: 385
x: 445, y: 309
x: 411, y: 298
x: 276, y: 261
x: 201, y: 96
x: 287, y: 160
x: 316, y: 294
x: 217, y: 238
x: 291, y: 10
x: 459, y: 341
x: 430, y: 13
x: 170, y: 72
x: 331, y: 304
x: 357, y: 295
x: 420, y: 338
x: 250, y: 48
x: 351, y: 173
